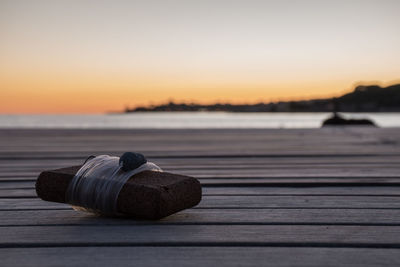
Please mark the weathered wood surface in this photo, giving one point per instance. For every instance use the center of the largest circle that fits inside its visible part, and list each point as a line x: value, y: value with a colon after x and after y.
x: 200, y: 235
x: 332, y: 216
x: 321, y: 197
x: 200, y: 256
x: 257, y: 191
x: 247, y: 202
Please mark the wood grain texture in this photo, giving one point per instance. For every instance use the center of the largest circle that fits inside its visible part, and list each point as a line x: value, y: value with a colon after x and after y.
x: 244, y: 201
x: 257, y: 191
x: 222, y: 235
x: 199, y: 256
x: 212, y: 216
x: 302, y: 197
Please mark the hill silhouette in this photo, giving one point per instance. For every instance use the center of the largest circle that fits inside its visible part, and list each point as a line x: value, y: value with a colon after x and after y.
x: 363, y: 99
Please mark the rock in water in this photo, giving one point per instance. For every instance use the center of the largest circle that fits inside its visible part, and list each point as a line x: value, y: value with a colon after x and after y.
x: 337, y: 120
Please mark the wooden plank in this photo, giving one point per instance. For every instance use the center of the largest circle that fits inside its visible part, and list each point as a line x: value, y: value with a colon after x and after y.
x: 288, y: 172
x: 17, y: 184
x: 255, y: 191
x: 202, y: 169
x: 29, y: 204
x: 244, y: 201
x: 168, y: 235
x: 60, y: 154
x: 301, y: 181
x: 300, y: 201
x: 315, y: 191
x: 199, y: 256
x: 246, y: 182
x: 216, y: 149
x: 184, y: 142
x: 224, y: 163
x: 255, y: 173
x: 18, y: 193
x: 211, y: 163
x: 211, y: 216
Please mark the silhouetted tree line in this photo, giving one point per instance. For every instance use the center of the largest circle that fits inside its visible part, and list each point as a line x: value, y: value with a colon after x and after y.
x: 363, y: 99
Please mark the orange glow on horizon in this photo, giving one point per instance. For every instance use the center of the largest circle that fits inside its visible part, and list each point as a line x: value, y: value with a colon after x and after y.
x: 63, y: 91
x: 81, y: 57
x: 36, y: 96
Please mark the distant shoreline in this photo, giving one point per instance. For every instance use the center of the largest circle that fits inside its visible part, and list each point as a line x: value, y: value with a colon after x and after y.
x: 363, y: 99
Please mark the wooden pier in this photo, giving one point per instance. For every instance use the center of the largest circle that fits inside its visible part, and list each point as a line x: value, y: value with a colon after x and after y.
x: 273, y: 197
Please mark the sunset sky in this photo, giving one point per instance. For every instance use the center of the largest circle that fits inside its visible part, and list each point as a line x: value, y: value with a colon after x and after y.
x: 99, y: 56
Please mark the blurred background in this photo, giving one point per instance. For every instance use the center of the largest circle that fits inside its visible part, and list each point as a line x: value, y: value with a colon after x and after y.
x: 197, y: 64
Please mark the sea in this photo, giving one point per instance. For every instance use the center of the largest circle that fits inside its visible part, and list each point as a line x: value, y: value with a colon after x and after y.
x: 186, y: 120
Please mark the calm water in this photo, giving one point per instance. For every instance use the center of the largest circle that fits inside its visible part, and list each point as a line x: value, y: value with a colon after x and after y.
x: 182, y: 120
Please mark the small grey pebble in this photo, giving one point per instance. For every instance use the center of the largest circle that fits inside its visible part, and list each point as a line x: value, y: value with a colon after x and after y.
x: 131, y: 160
